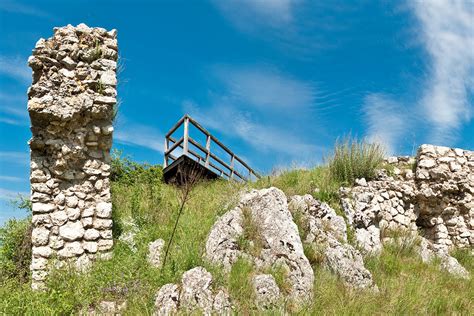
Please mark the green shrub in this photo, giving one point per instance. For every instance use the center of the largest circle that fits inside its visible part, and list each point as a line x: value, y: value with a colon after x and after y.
x: 15, y: 249
x: 126, y: 171
x: 353, y: 159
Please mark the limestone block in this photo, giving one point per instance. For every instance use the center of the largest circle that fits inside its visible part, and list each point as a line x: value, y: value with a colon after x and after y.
x: 71, y: 249
x: 91, y: 234
x: 42, y: 251
x: 71, y: 231
x: 42, y: 208
x: 104, y: 210
x: 40, y: 236
x: 59, y: 218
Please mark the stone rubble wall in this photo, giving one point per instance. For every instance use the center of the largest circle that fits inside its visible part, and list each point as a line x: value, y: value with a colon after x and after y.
x: 432, y: 194
x: 445, y: 190
x: 71, y: 105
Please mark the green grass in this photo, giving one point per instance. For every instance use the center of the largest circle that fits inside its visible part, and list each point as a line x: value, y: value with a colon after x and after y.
x: 240, y: 285
x: 353, y: 159
x: 407, y: 286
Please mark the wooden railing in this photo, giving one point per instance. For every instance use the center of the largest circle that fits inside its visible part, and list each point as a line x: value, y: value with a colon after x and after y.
x: 203, y: 154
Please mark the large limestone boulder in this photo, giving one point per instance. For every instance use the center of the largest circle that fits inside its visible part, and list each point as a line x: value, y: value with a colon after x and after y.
x: 323, y: 228
x: 195, y: 295
x: 166, y: 300
x: 196, y: 291
x: 267, y: 211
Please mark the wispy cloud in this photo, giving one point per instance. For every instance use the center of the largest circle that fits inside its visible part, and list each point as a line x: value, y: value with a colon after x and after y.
x: 13, y: 109
x: 246, y: 13
x: 16, y: 157
x: 15, y: 67
x: 386, y: 119
x: 11, y: 179
x: 254, y: 106
x: 135, y: 134
x: 16, y: 7
x: 447, y: 31
x: 299, y: 28
x: 6, y: 194
x: 266, y: 87
x: 263, y: 136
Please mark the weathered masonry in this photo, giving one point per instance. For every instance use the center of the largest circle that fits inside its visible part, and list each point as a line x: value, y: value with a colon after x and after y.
x: 203, y: 154
x: 71, y: 105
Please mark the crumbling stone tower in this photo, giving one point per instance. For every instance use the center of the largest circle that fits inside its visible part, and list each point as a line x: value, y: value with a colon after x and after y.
x: 71, y: 103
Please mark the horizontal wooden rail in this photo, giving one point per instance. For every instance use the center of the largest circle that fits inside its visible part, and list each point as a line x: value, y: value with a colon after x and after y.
x: 223, y: 168
x: 202, y: 129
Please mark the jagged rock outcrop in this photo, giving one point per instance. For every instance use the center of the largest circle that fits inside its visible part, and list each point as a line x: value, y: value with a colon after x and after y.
x: 276, y: 234
x: 326, y: 231
x: 432, y: 194
x: 71, y: 106
x: 193, y: 295
x: 450, y: 264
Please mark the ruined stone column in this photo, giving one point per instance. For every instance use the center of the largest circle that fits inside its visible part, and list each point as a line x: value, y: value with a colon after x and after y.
x: 71, y: 105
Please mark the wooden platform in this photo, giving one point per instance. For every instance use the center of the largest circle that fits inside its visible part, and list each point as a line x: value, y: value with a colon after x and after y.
x: 186, y: 154
x: 183, y: 168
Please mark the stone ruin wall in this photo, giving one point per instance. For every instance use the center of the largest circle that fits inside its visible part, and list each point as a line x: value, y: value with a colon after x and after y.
x: 432, y: 194
x: 71, y: 103
x: 445, y: 198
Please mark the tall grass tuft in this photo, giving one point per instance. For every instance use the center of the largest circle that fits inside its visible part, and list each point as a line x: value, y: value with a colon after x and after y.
x: 353, y: 159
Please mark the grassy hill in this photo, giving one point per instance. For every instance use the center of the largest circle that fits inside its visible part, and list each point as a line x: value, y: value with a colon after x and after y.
x: 407, y: 286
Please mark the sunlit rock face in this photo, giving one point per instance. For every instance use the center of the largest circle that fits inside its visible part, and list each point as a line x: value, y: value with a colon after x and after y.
x: 71, y: 104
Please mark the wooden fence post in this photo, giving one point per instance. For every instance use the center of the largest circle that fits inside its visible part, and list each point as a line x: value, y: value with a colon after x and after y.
x: 165, y: 163
x: 186, y: 136
x: 208, y: 148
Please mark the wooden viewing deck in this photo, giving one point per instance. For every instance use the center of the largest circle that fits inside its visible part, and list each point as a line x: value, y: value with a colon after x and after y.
x: 186, y: 153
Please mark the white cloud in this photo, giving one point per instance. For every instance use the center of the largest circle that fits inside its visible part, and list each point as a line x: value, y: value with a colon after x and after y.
x: 386, y: 119
x: 261, y: 136
x: 266, y: 88
x: 17, y: 157
x: 15, y: 7
x: 140, y: 135
x: 6, y: 194
x: 15, y: 67
x: 264, y: 109
x: 13, y: 109
x: 246, y: 13
x: 11, y: 179
x: 447, y: 31
x: 11, y: 121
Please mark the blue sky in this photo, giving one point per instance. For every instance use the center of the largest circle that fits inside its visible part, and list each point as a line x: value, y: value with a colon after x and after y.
x: 276, y: 80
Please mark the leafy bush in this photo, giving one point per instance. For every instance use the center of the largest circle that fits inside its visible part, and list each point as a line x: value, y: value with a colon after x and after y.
x: 15, y: 244
x: 353, y: 159
x: 126, y: 171
x: 15, y: 249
